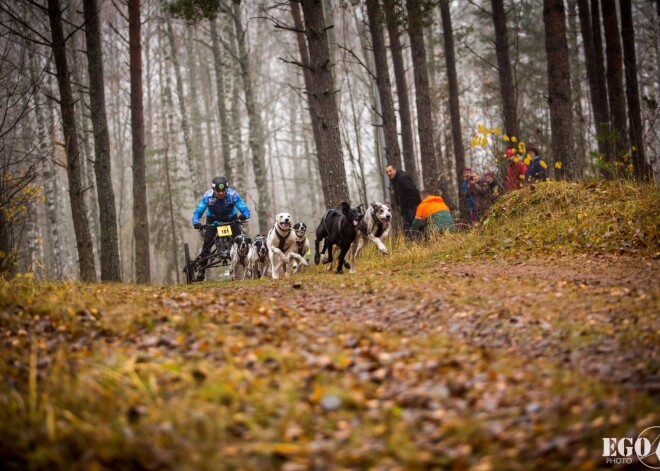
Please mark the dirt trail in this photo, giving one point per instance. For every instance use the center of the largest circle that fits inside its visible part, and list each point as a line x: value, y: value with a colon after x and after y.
x: 595, y: 314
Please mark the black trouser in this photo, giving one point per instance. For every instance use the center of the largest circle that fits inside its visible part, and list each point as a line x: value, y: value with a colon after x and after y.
x: 209, y: 235
x: 408, y: 216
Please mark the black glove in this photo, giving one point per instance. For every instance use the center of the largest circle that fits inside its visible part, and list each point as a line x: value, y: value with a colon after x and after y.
x: 242, y: 217
x: 197, y: 225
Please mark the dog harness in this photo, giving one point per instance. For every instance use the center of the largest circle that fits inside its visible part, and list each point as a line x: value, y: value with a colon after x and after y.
x: 379, y: 224
x: 282, y: 239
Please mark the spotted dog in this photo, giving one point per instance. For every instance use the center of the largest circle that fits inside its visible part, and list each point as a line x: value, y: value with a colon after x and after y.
x: 302, y: 245
x: 281, y: 242
x: 375, y: 227
x: 337, y: 228
x: 239, y: 256
x: 258, y: 263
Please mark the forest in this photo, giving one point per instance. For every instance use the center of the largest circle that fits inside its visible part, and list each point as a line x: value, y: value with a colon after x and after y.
x: 116, y: 116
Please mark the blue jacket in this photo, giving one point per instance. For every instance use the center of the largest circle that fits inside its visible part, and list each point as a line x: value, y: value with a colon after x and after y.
x: 535, y: 172
x: 471, y: 201
x: 220, y: 210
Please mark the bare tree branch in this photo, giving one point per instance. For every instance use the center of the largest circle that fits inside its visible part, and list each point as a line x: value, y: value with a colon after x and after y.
x: 352, y: 53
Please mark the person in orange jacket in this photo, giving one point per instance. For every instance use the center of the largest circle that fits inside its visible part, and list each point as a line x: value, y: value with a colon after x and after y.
x: 432, y: 214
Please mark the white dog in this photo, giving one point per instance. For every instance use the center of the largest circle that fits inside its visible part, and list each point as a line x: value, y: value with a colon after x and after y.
x: 375, y: 227
x: 281, y: 242
x: 302, y: 245
x: 258, y: 263
x: 239, y: 256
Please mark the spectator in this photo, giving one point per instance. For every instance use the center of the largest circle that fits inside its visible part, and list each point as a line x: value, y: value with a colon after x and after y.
x: 515, y: 173
x: 495, y: 188
x: 470, y: 203
x: 406, y: 196
x: 432, y: 215
x: 478, y: 189
x: 536, y: 170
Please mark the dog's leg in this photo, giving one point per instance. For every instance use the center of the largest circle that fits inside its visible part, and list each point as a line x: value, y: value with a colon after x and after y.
x: 356, y: 247
x: 379, y: 243
x: 341, y: 261
x: 329, y: 244
x: 317, y: 253
x: 274, y: 269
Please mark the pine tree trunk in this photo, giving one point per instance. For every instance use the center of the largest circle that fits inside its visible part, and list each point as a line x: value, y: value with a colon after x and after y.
x: 559, y: 88
x: 222, y: 107
x: 597, y: 94
x: 599, y: 56
x: 322, y: 93
x: 642, y: 169
x: 574, y: 59
x: 454, y: 105
x: 86, y: 170
x: 507, y: 86
x: 422, y: 95
x: 407, y: 136
x: 307, y: 76
x: 78, y: 209
x: 388, y: 116
x: 110, y: 270
x: 140, y: 209
x: 256, y: 127
x: 614, y: 76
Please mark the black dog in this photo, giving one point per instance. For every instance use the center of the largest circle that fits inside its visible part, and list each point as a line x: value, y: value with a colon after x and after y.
x: 337, y: 228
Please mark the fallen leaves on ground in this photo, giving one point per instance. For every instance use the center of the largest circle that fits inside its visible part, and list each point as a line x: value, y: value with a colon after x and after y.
x: 479, y: 364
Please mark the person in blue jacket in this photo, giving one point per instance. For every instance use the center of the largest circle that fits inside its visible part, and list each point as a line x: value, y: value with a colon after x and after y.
x: 221, y: 204
x: 535, y: 171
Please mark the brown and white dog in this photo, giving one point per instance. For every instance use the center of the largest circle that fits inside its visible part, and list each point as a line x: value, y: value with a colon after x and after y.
x: 302, y: 245
x: 281, y: 242
x: 375, y: 227
x: 239, y: 257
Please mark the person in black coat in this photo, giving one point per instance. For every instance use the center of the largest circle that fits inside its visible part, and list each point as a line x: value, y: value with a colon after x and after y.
x: 406, y: 194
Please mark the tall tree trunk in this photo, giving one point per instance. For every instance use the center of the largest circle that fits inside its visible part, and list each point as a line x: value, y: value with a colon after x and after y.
x: 559, y: 88
x: 110, y: 270
x: 407, y: 136
x: 307, y: 76
x: 422, y: 95
x: 78, y: 209
x: 222, y: 106
x: 642, y: 169
x: 192, y: 153
x: 599, y: 57
x: 392, y: 151
x: 167, y: 107
x: 576, y: 83
x: 454, y: 105
x: 507, y: 87
x: 49, y: 176
x: 615, y: 76
x: 597, y: 90
x: 140, y: 210
x: 195, y: 120
x: 256, y: 126
x: 322, y: 93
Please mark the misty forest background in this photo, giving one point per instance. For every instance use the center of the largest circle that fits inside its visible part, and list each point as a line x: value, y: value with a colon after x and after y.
x: 116, y: 115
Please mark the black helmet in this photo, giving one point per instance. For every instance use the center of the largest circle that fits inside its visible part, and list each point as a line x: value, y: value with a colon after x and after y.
x: 219, y: 183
